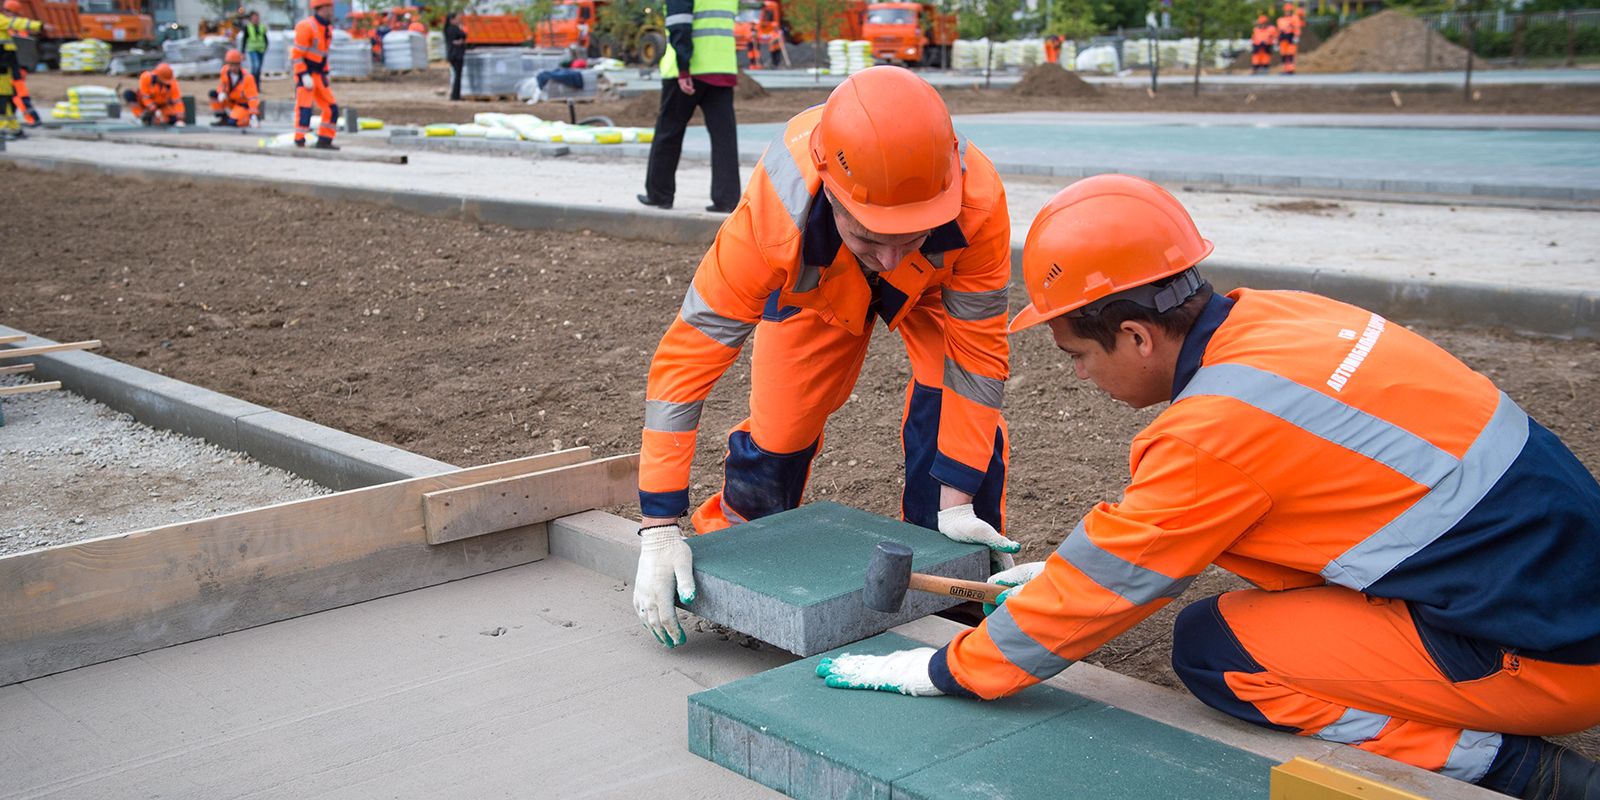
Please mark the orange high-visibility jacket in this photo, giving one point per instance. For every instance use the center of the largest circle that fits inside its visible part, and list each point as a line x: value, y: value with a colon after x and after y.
x: 756, y: 261
x: 1264, y: 34
x: 312, y: 40
x: 239, y: 93
x: 1313, y: 442
x: 154, y: 93
x: 1289, y: 26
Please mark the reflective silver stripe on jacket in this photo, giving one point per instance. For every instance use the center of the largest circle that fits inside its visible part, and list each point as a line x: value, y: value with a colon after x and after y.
x: 1354, y: 726
x: 669, y: 417
x: 725, y: 331
x: 679, y: 19
x: 1455, y: 486
x: 1022, y: 650
x: 701, y: 33
x: 713, y: 15
x: 1472, y: 756
x: 979, y: 389
x: 1138, y: 585
x: 974, y: 305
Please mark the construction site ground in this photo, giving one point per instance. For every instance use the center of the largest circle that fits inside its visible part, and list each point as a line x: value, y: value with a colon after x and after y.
x: 421, y: 97
x: 473, y: 343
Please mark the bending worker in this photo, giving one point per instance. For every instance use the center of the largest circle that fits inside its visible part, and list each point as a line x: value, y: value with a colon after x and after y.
x: 312, y: 38
x: 235, y: 100
x: 159, y: 100
x: 865, y: 207
x: 1426, y: 553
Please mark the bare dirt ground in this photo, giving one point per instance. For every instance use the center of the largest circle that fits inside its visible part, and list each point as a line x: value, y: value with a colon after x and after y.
x: 473, y: 343
x: 419, y: 98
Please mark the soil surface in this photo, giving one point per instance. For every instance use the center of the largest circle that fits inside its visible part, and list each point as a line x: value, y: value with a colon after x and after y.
x: 473, y: 343
x: 419, y: 98
x: 77, y: 470
x: 1389, y: 41
x: 1049, y: 80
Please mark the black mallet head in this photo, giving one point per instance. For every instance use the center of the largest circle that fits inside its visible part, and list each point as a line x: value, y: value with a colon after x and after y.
x: 888, y: 577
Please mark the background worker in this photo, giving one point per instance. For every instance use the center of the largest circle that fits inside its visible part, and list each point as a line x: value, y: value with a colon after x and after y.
x: 1262, y: 39
x: 415, y: 26
x: 11, y: 25
x: 865, y: 208
x: 19, y: 76
x: 159, y: 100
x: 1052, y: 48
x: 236, y: 101
x: 698, y: 70
x: 313, y: 37
x: 253, y: 39
x: 455, y: 52
x: 1426, y: 553
x: 1288, y: 37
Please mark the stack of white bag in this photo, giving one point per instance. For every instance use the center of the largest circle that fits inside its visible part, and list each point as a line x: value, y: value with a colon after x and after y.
x: 529, y: 128
x: 85, y: 102
x: 88, y: 55
x: 435, y: 46
x: 405, y: 50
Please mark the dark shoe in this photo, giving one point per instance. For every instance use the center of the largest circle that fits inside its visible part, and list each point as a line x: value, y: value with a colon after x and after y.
x: 299, y: 143
x: 325, y: 144
x: 644, y: 198
x: 1563, y: 775
x: 716, y: 209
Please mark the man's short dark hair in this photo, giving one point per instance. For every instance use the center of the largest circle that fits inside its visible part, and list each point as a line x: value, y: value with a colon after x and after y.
x: 1175, y: 322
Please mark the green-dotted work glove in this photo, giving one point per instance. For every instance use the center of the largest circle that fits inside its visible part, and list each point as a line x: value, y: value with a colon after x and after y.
x: 1014, y: 577
x: 905, y: 672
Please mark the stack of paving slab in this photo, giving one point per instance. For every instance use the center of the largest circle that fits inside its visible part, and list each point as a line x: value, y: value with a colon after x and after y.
x: 492, y: 72
x: 349, y: 57
x: 133, y: 62
x: 405, y: 50
x: 276, y: 60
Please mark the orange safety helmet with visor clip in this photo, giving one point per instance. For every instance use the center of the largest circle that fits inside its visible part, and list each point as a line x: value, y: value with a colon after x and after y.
x: 316, y: 4
x: 1107, y: 238
x: 14, y: 7
x: 887, y: 151
x: 233, y: 57
x: 164, y: 72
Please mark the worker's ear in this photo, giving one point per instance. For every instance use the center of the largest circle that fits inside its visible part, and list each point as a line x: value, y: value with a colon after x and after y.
x: 1141, y: 335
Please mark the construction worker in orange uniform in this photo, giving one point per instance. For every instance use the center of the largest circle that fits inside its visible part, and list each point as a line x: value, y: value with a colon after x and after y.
x: 236, y: 101
x: 313, y: 37
x: 159, y: 100
x: 1288, y: 37
x: 416, y: 26
x: 1425, y: 552
x: 1052, y: 49
x: 12, y: 23
x: 1262, y: 39
x: 19, y: 77
x: 868, y: 208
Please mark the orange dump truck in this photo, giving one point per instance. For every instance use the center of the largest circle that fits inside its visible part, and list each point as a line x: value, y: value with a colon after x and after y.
x: 122, y: 23
x: 913, y: 34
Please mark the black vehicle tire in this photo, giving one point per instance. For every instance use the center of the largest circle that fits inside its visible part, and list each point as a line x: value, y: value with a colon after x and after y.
x: 652, y: 46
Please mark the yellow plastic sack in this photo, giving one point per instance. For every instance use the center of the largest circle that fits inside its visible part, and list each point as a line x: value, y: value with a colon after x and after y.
x: 369, y: 124
x: 439, y: 130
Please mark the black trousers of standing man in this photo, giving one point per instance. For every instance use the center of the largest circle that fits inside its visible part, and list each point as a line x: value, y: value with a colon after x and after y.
x: 455, y: 78
x: 716, y: 105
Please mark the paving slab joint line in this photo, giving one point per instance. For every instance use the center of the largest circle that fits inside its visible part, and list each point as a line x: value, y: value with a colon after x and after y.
x: 1565, y: 313
x: 330, y: 457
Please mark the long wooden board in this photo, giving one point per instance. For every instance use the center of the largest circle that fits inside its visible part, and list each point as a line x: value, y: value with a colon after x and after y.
x: 23, y: 352
x: 13, y: 338
x: 454, y: 514
x: 16, y: 368
x: 80, y: 604
x: 30, y: 388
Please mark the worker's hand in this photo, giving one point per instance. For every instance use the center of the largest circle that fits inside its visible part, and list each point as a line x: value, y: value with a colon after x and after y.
x: 305, y: 80
x: 961, y: 524
x: 1014, y: 577
x: 178, y: 123
x: 905, y: 672
x: 255, y: 121
x: 666, y: 567
x: 212, y: 94
x: 686, y: 84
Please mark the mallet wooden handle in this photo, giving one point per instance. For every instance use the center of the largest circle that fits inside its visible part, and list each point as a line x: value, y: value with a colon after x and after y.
x: 957, y: 588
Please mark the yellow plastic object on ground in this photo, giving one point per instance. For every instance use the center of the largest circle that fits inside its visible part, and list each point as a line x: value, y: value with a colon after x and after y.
x: 369, y: 124
x: 439, y: 130
x: 1302, y: 779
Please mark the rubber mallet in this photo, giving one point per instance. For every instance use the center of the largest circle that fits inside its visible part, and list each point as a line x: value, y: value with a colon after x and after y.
x: 889, y: 575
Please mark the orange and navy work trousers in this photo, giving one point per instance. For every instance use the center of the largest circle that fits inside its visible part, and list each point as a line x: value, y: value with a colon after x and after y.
x: 1286, y: 54
x: 1342, y: 666
x: 23, y: 100
x: 802, y: 370
x: 319, y: 95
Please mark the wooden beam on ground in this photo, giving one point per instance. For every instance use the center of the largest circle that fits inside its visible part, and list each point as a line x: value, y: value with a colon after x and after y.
x: 188, y: 142
x: 1303, y: 779
x: 80, y: 604
x: 24, y: 352
x: 16, y: 368
x: 9, y: 339
x: 30, y: 388
x: 482, y: 508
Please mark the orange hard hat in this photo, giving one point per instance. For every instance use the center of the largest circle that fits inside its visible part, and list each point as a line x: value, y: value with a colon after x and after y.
x: 316, y: 4
x: 887, y: 151
x: 14, y: 7
x: 233, y: 57
x: 1261, y: 20
x: 1101, y: 236
x: 164, y: 71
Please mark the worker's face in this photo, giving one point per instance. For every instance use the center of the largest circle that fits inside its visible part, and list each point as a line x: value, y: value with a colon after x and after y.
x: 1135, y: 372
x: 877, y: 252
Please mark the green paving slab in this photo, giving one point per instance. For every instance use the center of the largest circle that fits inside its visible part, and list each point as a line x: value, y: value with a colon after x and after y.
x: 785, y: 729
x: 795, y: 579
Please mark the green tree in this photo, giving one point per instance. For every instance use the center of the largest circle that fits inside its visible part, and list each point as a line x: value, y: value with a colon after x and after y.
x: 818, y: 20
x: 1072, y: 19
x: 992, y: 20
x: 1208, y: 20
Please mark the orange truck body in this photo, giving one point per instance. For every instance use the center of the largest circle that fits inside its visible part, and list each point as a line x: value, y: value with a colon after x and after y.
x: 908, y: 33
x: 121, y: 23
x: 483, y: 30
x: 571, y: 24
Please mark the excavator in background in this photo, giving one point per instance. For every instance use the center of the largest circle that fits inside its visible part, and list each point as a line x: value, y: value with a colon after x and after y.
x: 121, y: 23
x: 628, y: 30
x: 912, y: 34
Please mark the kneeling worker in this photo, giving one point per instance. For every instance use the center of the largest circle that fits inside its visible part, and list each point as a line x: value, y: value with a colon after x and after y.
x: 235, y: 100
x: 1426, y: 553
x: 159, y: 101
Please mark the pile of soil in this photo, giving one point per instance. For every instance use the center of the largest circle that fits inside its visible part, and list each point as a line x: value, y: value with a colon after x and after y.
x: 747, y: 88
x: 1050, y: 80
x: 1388, y: 41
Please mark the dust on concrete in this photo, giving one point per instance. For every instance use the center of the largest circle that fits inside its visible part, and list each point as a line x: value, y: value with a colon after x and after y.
x: 74, y: 470
x: 1316, y: 208
x: 474, y: 343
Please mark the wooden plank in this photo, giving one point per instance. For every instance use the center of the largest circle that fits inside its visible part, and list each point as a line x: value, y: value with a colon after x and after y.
x: 13, y: 338
x: 80, y: 604
x: 30, y: 388
x: 1303, y: 779
x: 455, y: 514
x: 23, y: 352
x: 16, y: 368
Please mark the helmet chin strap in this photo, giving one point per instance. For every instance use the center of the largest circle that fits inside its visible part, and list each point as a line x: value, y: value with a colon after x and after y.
x: 1178, y: 289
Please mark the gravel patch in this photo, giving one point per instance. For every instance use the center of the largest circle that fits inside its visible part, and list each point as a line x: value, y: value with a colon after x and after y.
x: 72, y: 469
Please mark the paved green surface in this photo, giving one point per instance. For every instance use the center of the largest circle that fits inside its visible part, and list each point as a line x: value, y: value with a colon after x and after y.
x: 785, y: 729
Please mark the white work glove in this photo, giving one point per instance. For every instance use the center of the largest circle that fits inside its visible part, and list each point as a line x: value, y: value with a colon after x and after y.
x: 180, y: 123
x: 255, y: 121
x: 666, y: 567
x: 960, y: 524
x: 305, y: 80
x: 905, y: 672
x: 1013, y: 577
